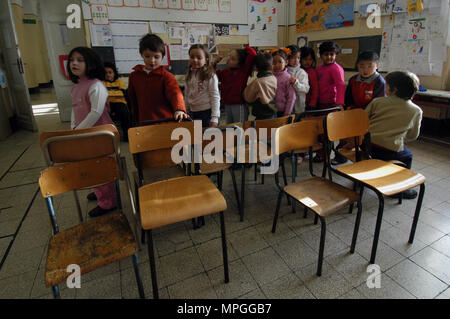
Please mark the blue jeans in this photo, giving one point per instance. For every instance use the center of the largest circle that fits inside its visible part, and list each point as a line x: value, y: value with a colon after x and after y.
x: 204, y: 116
x: 404, y: 156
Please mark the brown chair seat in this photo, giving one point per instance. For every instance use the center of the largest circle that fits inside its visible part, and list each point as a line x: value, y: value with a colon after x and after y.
x: 321, y: 195
x: 163, y: 203
x: 388, y: 178
x: 90, y: 245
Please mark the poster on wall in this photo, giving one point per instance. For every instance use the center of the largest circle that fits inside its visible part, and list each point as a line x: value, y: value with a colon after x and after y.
x: 201, y: 5
x: 262, y: 20
x: 323, y: 15
x: 99, y: 14
x: 161, y: 4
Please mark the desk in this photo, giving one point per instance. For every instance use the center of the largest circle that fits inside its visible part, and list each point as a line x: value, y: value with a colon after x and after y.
x: 436, y: 113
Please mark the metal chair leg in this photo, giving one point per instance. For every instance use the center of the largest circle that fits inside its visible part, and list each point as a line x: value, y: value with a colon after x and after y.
x: 224, y: 248
x: 138, y: 276
x: 56, y: 293
x: 77, y: 201
x: 294, y: 167
x: 151, y: 255
x: 241, y: 211
x: 350, y: 210
x: 322, y: 245
x: 256, y: 171
x: 285, y: 180
x: 236, y: 193
x: 316, y: 219
x: 377, y: 228
x: 357, y: 222
x: 277, y: 210
x: 417, y: 213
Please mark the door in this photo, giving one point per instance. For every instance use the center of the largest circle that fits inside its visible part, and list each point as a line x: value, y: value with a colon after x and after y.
x: 60, y: 40
x: 15, y: 69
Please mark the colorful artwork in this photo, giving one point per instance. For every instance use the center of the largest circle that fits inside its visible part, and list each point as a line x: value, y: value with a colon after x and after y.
x: 314, y: 15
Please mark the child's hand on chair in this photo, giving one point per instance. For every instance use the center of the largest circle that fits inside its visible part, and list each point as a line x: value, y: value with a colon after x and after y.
x: 180, y: 116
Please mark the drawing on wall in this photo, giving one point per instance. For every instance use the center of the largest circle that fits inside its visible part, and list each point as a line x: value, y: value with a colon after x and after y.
x: 314, y: 15
x: 262, y: 20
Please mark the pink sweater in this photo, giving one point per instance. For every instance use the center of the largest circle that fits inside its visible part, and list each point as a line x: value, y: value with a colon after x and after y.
x: 285, y: 95
x: 331, y: 84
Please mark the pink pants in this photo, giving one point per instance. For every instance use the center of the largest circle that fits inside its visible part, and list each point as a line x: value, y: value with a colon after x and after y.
x: 106, y: 196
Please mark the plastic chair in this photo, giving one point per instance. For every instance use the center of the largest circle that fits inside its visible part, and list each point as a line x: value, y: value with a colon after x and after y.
x: 90, y: 158
x: 384, y: 178
x: 176, y: 199
x: 321, y: 196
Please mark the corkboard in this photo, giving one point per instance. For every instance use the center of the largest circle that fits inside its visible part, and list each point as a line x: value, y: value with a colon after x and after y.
x: 349, y: 52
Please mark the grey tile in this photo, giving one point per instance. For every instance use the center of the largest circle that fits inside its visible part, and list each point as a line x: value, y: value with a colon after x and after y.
x: 443, y: 209
x: 328, y: 286
x: 241, y: 281
x: 433, y: 262
x: 197, y: 287
x: 255, y: 294
x: 265, y: 265
x: 247, y: 241
x: 436, y: 220
x: 172, y: 240
x: 398, y: 239
x: 343, y: 229
x: 17, y: 287
x: 296, y: 253
x: 23, y: 262
x: 4, y: 243
x: 332, y: 243
x: 287, y: 287
x: 386, y: 257
x: 210, y: 253
x: 353, y: 294
x: 352, y: 266
x: 282, y: 233
x: 442, y: 245
x: 29, y: 240
x: 389, y: 289
x: 417, y: 281
x: 444, y: 295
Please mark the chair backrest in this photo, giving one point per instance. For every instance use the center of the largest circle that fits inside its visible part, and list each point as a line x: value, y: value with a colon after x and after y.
x: 346, y: 124
x: 89, y: 173
x: 297, y: 135
x: 315, y: 119
x: 152, y: 144
x: 271, y: 124
x: 77, y: 145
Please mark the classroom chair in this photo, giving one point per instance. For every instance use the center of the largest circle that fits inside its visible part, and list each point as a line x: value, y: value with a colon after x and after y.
x: 323, y: 197
x: 384, y: 178
x: 259, y: 142
x: 86, y: 158
x: 173, y: 200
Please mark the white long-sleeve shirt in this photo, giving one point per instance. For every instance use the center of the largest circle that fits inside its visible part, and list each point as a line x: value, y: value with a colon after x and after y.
x: 203, y: 95
x: 98, y: 96
x: 301, y: 87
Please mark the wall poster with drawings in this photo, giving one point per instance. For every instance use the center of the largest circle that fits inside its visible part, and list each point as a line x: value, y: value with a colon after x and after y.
x: 262, y: 20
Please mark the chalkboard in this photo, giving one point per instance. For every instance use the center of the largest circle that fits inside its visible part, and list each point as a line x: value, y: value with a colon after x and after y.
x: 106, y: 53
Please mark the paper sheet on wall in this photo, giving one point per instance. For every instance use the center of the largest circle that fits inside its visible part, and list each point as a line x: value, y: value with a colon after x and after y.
x: 99, y: 13
x: 131, y: 3
x: 158, y: 27
x: 175, y: 52
x: 436, y: 68
x: 438, y: 51
x: 263, y: 23
x: 101, y: 35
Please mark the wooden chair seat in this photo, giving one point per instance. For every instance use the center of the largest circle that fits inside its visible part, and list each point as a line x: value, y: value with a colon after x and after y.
x: 90, y: 245
x: 179, y: 199
x: 351, y: 155
x: 388, y: 178
x: 321, y: 195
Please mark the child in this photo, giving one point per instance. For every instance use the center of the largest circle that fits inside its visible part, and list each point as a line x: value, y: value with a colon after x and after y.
x: 285, y: 95
x: 202, y: 87
x: 362, y: 88
x: 233, y: 81
x: 394, y: 119
x: 90, y: 108
x: 261, y: 91
x: 330, y: 77
x: 152, y: 90
x: 308, y: 63
x: 116, y: 98
x: 299, y: 78
x: 368, y: 84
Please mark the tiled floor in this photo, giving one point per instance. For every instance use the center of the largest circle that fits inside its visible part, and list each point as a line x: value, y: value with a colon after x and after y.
x: 262, y: 264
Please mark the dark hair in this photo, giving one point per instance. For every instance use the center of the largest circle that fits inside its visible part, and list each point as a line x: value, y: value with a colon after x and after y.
x: 406, y: 83
x: 112, y: 66
x: 308, y: 51
x: 329, y: 46
x: 263, y: 62
x: 207, y: 71
x: 153, y: 43
x: 280, y: 53
x: 294, y: 50
x: 94, y: 64
x: 242, y: 56
x: 368, y: 56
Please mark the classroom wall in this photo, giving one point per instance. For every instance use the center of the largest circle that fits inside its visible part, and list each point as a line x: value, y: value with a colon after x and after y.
x: 360, y: 29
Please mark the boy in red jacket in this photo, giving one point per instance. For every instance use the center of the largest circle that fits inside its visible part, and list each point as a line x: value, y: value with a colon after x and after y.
x: 153, y: 91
